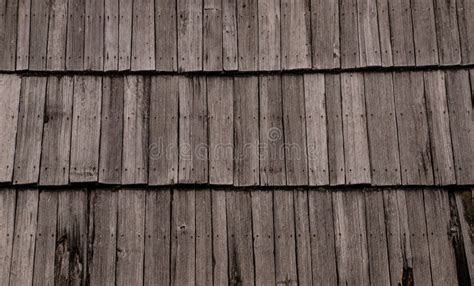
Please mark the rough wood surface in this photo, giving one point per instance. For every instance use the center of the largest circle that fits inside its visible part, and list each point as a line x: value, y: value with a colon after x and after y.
x: 8, y: 33
x: 23, y: 32
x: 219, y: 240
x: 296, y: 34
x: 465, y: 12
x: 76, y: 10
x: 39, y: 34
x: 125, y: 34
x: 7, y: 227
x: 269, y: 55
x: 326, y: 48
x: 350, y: 57
x: 383, y: 14
x: 303, y: 236
x: 57, y: 33
x: 424, y: 33
x: 166, y: 42
x: 247, y: 33
x: 447, y: 31
x: 111, y: 34
x: 368, y: 28
x: 204, y: 259
x: 94, y: 35
x: 190, y: 38
x: 401, y: 26
x: 143, y: 35
x: 212, y: 35
x: 229, y: 35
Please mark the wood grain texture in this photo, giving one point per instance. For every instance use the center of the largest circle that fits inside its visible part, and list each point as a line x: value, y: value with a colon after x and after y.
x: 350, y: 57
x: 125, y: 34
x: 303, y: 236
x: 447, y: 32
x: 143, y: 35
x: 219, y: 240
x: 111, y: 34
x: 190, y: 35
x: 94, y: 35
x: 7, y: 227
x: 383, y: 14
x: 23, y: 35
x: 325, y: 34
x: 269, y: 56
x: 212, y: 35
x: 8, y: 34
x: 463, y: 200
x: 369, y: 40
x: 401, y: 27
x: 166, y: 49
x: 296, y: 34
x: 229, y: 35
x: 465, y: 12
x: 424, y: 33
x: 75, y: 40
x: 38, y: 34
x: 57, y: 33
x: 204, y: 259
x: 247, y: 33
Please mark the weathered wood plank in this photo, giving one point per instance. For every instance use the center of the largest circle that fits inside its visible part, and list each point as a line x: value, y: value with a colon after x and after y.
x: 10, y: 88
x: 45, y: 244
x: 166, y: 48
x: 75, y: 35
x: 438, y: 122
x: 350, y: 57
x: 415, y: 158
x: 23, y: 35
x: 57, y: 132
x: 263, y: 238
x: 321, y: 225
x: 272, y: 142
x: 424, y: 32
x: 136, y: 108
x: 193, y: 132
x: 269, y: 35
x: 229, y: 35
x: 143, y: 35
x: 219, y: 239
x: 39, y: 17
x: 246, y: 151
x: 30, y: 130
x: 163, y: 141
x: 247, y: 33
x: 303, y: 237
x: 294, y: 122
x: 356, y: 146
x: 57, y: 33
x: 316, y: 132
x: 401, y: 27
x: 369, y: 42
x: 382, y: 129
x: 131, y: 237
x: 8, y: 34
x: 465, y: 12
x: 7, y: 226
x: 447, y: 32
x: 86, y: 129
x: 326, y: 49
x: 384, y: 33
x: 221, y: 129
x: 464, y: 203
x: 111, y: 34
x: 335, y: 131
x: 125, y: 34
x: 212, y: 35
x: 462, y: 129
x: 239, y: 238
x: 183, y: 242
x: 94, y: 35
x: 111, y: 137
x: 157, y: 236
x: 190, y: 35
x: 296, y: 34
x: 204, y: 259
x: 102, y: 237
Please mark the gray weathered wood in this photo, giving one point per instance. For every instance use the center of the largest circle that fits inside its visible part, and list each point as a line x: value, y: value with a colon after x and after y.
x: 183, y: 242
x: 10, y: 86
x: 204, y: 259
x: 382, y: 129
x: 295, y: 34
x: 247, y: 33
x: 23, y: 35
x: 465, y: 12
x: 143, y: 35
x: 326, y: 50
x: 316, y: 129
x: 350, y: 57
x: 303, y: 237
x: 212, y: 35
x: 111, y: 34
x: 272, y: 152
x: 111, y: 137
x: 462, y: 129
x: 85, y: 129
x: 246, y: 151
x: 221, y: 132
x: 39, y: 17
x: 294, y: 125
x: 424, y: 32
x: 131, y: 237
x: 229, y: 35
x: 75, y: 35
x: 356, y: 149
x: 438, y: 122
x: 269, y: 35
x: 166, y: 48
x: 415, y: 158
x: 135, y: 130
x: 463, y: 201
x: 219, y: 239
x: 447, y: 32
x: 384, y: 32
x: 190, y: 35
x: 367, y: 25
x: 163, y: 141
x: 401, y: 27
x: 30, y: 130
x: 57, y: 132
x: 8, y: 34
x: 125, y: 34
x: 193, y: 132
x: 94, y: 35
x: 57, y: 32
x: 7, y: 226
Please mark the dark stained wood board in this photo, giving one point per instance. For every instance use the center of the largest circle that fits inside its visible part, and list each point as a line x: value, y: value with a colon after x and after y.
x: 190, y: 35
x: 38, y: 34
x: 325, y: 34
x: 166, y: 49
x: 75, y: 40
x: 94, y: 35
x: 57, y: 33
x: 229, y: 35
x: 269, y: 55
x: 247, y: 34
x: 447, y: 32
x: 368, y: 28
x: 212, y: 35
x: 401, y: 27
x: 7, y: 227
x: 111, y: 34
x: 23, y: 35
x: 424, y: 33
x: 8, y: 34
x: 125, y: 34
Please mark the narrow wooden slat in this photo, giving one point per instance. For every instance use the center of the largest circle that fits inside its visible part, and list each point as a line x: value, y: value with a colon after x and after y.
x: 157, y: 236
x: 102, y: 237
x: 130, y: 239
x: 143, y: 35
x: 335, y: 131
x: 45, y: 244
x: 247, y: 33
x: 303, y: 237
x: 351, y: 238
x: 86, y: 129
x: 57, y: 33
x: 447, y: 32
x: 269, y: 35
x: 462, y: 129
x: 350, y: 57
x: 294, y: 125
x: 136, y: 110
x: 7, y: 226
x: 94, y: 35
x: 8, y: 33
x: 166, y: 48
x: 22, y: 265
x: 369, y: 42
x: 39, y: 34
x: 316, y: 132
x: 190, y: 35
x: 111, y: 34
x: 239, y: 238
x: 219, y: 239
x: 163, y: 141
x: 30, y: 130
x: 204, y: 258
x: 57, y: 132
x: 384, y: 32
x: 272, y: 152
x: 212, y: 35
x: 75, y: 35
x: 424, y: 32
x: 71, y: 245
x: 10, y: 86
x: 111, y: 132
x: 438, y: 122
x: 321, y: 224
x: 263, y: 239
x: 193, y: 140
x: 125, y: 34
x: 326, y: 50
x: 465, y: 12
x: 401, y: 27
x: 229, y: 35
x: 221, y: 131
x: 183, y: 242
x: 246, y: 151
x: 23, y: 35
x: 415, y: 158
x: 356, y: 149
x: 463, y: 202
x: 296, y: 34
x: 382, y: 129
